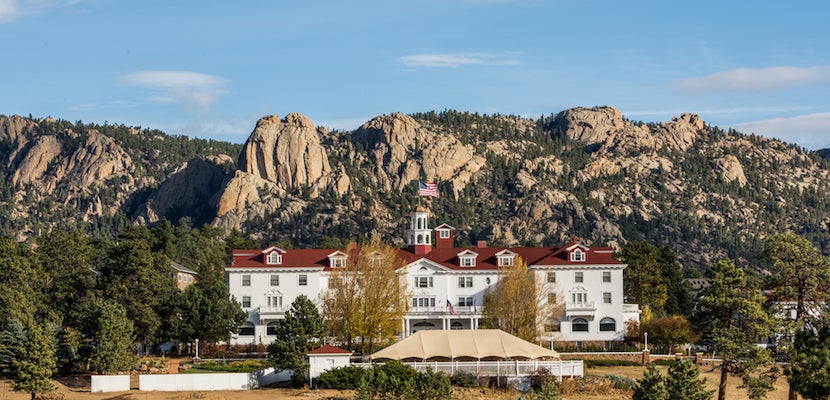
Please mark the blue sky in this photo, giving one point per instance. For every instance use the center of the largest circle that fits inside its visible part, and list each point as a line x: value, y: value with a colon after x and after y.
x: 211, y: 69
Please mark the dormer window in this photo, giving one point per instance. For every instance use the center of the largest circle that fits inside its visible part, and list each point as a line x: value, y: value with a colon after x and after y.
x: 337, y: 259
x: 444, y: 233
x: 505, y: 258
x: 467, y: 258
x: 274, y: 258
x: 376, y: 261
x: 577, y: 255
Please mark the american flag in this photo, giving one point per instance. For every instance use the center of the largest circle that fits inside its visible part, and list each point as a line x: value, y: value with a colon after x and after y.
x: 450, y: 307
x: 427, y: 189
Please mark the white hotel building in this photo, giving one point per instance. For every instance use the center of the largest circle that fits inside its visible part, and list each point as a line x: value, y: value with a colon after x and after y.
x: 447, y: 284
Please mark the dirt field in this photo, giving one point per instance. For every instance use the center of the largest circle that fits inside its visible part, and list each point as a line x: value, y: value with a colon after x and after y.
x: 79, y: 390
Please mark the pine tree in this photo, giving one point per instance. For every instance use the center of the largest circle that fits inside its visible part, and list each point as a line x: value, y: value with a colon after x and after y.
x: 34, y: 364
x: 114, y: 339
x: 11, y: 339
x: 683, y: 382
x: 300, y: 332
x: 809, y: 371
x: 800, y: 271
x: 738, y: 321
x: 652, y: 386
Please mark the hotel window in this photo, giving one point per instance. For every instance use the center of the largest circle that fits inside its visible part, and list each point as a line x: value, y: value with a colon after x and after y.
x: 577, y: 255
x: 246, y: 280
x: 423, y: 281
x: 273, y: 301
x: 578, y: 278
x: 607, y: 325
x: 246, y: 330
x: 467, y: 261
x: 606, y: 297
x: 246, y: 301
x: 551, y: 298
x: 465, y: 301
x: 303, y: 280
x: 274, y: 258
x: 579, y: 325
x: 553, y: 326
x: 275, y: 280
x: 551, y: 277
x: 465, y: 281
x: 505, y: 261
x: 606, y: 276
x: 338, y: 262
x: 271, y: 329
x: 579, y: 297
x: 423, y: 302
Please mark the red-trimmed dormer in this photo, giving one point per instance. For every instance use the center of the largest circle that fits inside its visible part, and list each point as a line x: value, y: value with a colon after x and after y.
x: 419, y: 236
x: 577, y: 252
x: 444, y: 237
x: 505, y: 258
x: 272, y: 255
x: 467, y: 259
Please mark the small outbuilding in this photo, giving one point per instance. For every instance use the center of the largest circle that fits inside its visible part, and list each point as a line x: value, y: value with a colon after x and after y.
x: 464, y: 345
x: 325, y: 358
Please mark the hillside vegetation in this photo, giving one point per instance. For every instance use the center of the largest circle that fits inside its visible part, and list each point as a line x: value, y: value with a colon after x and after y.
x: 704, y: 192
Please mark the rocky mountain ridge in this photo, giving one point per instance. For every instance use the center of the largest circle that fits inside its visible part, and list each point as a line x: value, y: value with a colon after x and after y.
x: 585, y: 172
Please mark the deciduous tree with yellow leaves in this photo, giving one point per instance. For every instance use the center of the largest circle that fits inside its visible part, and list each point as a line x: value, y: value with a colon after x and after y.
x: 366, y: 299
x: 519, y: 303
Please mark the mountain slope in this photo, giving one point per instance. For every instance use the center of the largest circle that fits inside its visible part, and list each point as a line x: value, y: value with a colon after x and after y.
x: 592, y: 173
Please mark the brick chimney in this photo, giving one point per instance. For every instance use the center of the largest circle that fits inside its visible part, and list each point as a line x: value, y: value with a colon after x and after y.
x: 481, y: 244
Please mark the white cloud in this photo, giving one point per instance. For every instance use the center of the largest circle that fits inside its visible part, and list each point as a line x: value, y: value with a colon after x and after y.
x: 453, y: 60
x: 811, y: 131
x: 235, y: 131
x: 8, y: 11
x: 12, y: 10
x: 756, y: 79
x: 193, y: 90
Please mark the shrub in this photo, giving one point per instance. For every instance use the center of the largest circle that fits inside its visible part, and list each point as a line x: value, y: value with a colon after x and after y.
x: 547, y: 391
x: 432, y: 385
x: 395, y: 380
x: 340, y: 378
x: 233, y: 366
x: 610, y: 363
x: 620, y: 382
x: 464, y: 379
x: 539, y: 378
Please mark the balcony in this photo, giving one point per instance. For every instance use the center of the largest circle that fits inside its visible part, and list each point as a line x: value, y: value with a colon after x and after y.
x: 438, y: 311
x: 583, y: 309
x: 271, y: 312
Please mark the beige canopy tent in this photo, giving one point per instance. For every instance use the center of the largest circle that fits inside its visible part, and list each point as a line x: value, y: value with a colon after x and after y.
x: 463, y: 345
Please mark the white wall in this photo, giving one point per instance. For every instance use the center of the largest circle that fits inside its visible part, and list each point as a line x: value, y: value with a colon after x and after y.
x: 110, y: 383
x: 185, y: 382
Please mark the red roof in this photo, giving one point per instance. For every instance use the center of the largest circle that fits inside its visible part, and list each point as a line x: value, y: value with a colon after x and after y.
x: 329, y: 349
x: 447, y: 257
